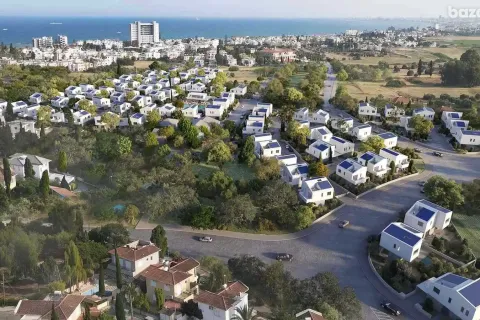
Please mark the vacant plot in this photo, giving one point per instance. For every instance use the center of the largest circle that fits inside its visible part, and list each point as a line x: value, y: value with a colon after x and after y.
x: 467, y: 43
x: 237, y: 171
x: 454, y: 53
x: 469, y: 228
x: 399, y: 56
x: 142, y: 64
x: 245, y: 73
x: 359, y: 89
x: 297, y: 78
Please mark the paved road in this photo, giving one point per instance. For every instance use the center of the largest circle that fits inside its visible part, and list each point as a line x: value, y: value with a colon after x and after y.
x: 325, y: 247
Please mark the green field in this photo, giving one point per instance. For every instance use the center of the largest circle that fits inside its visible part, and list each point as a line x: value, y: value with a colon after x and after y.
x: 237, y: 171
x: 467, y: 43
x: 469, y: 228
x: 297, y: 78
x: 419, y: 165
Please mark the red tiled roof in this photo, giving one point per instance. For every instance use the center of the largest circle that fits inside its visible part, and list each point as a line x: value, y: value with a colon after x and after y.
x: 171, y: 304
x: 309, y: 313
x: 170, y: 277
x: 444, y: 108
x: 215, y: 300
x: 234, y: 289
x: 134, y: 254
x: 63, y: 192
x: 185, y: 266
x: 43, y: 308
x: 401, y: 99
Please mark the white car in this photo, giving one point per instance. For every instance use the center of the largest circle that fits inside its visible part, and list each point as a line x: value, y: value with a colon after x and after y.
x: 205, y: 239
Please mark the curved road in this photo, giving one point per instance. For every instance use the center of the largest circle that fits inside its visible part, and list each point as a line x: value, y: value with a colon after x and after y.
x: 324, y: 246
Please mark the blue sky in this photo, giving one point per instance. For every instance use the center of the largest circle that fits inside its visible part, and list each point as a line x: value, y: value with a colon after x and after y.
x: 239, y: 8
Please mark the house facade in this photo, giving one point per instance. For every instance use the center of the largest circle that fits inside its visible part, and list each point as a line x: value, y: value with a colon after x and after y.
x: 253, y: 125
x: 138, y: 119
x: 320, y: 133
x: 263, y: 109
x: 467, y: 137
x: 66, y: 307
x: 239, y: 90
x: 376, y: 165
x: 352, y: 171
x: 214, y: 111
x: 39, y: 164
x: 224, y: 304
x: 301, y: 114
x: 135, y: 257
x: 402, y: 241
x: 342, y: 146
x: 362, y: 132
x: 427, y: 216
x: 425, y: 112
x: 321, y: 150
x: 401, y: 161
x: 267, y: 149
x: 316, y: 190
x: 389, y: 139
x: 81, y: 117
x: 294, y: 174
x: 319, y: 116
x: 367, y: 110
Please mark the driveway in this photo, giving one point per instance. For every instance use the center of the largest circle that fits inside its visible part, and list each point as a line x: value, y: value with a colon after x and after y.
x: 244, y: 106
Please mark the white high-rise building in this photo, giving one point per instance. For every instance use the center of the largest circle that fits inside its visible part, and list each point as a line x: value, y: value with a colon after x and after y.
x: 144, y: 33
x: 62, y: 40
x: 42, y: 42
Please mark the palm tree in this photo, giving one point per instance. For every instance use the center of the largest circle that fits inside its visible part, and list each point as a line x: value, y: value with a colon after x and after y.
x: 245, y: 313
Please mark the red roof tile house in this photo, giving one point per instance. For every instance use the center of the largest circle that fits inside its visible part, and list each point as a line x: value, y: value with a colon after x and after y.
x: 67, y: 308
x: 222, y: 305
x: 135, y: 257
x: 179, y: 280
x: 309, y: 314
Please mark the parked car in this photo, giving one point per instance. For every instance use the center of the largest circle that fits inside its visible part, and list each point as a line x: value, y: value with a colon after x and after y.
x: 205, y: 239
x: 343, y: 224
x: 391, y: 308
x: 289, y: 148
x: 284, y: 257
x: 422, y: 190
x: 422, y: 183
x: 437, y: 154
x: 417, y: 150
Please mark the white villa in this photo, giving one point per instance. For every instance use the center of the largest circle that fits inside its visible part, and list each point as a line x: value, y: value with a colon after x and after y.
x: 376, y: 165
x: 253, y: 125
x: 138, y: 119
x: 467, y: 137
x: 81, y: 117
x: 166, y: 110
x: 319, y: 116
x: 425, y: 112
x: 392, y: 111
x: 197, y: 96
x: 240, y: 90
x: 316, y: 190
x: 267, y: 149
x: 214, y: 111
x: 367, y: 110
x: 402, y: 241
x: 263, y: 109
x: 320, y: 149
x: 135, y: 257
x: 294, y: 174
x: 400, y: 160
x: 342, y: 124
x: 320, y: 133
x: 352, y: 171
x: 342, y: 146
x: 301, y: 114
x: 389, y: 139
x: 59, y: 102
x: 426, y: 216
x: 190, y: 111
x: 362, y: 132
x: 39, y: 164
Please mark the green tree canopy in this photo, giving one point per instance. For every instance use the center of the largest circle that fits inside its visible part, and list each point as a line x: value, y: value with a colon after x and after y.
x: 159, y: 238
x: 444, y: 192
x: 373, y: 143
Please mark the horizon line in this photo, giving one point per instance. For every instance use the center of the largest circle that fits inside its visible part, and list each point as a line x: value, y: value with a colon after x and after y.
x: 224, y: 18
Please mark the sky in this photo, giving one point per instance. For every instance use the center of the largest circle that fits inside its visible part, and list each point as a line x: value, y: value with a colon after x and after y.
x: 235, y: 9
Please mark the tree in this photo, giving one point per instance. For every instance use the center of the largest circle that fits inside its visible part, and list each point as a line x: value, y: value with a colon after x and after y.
x: 151, y: 142
x: 9, y: 115
x: 329, y: 312
x: 247, y: 154
x: 392, y: 168
x: 109, y: 145
x: 159, y: 238
x: 203, y: 218
x: 153, y: 118
x: 342, y: 75
x: 244, y: 313
x: 160, y: 297
x: 119, y: 308
x: 218, y: 274
x: 131, y: 214
x: 28, y: 169
x: 201, y: 72
x: 87, y: 106
x: 112, y: 234
x: 104, y: 93
x: 239, y: 211
x: 86, y: 314
x: 219, y: 152
x: 110, y: 120
x: 74, y: 264
x: 101, y: 281
x: 118, y: 270
x: 444, y: 192
x: 166, y: 132
x: 43, y: 116
x: 471, y: 192
x: 304, y: 217
x: 293, y: 96
x: 430, y: 69
x: 129, y: 95
x: 44, y: 185
x: 267, y: 169
x: 421, y: 126
x: 7, y: 175
x: 373, y: 143
x: 318, y: 169
x: 178, y: 141
x: 54, y: 315
x: 191, y: 310
x: 62, y: 161
x: 420, y: 67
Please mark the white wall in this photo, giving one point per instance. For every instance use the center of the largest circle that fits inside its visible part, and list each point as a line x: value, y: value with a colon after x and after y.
x: 399, y: 248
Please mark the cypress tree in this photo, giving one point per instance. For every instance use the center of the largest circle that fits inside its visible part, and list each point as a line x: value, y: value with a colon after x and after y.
x: 62, y: 161
x: 419, y: 68
x: 7, y: 175
x: 119, y: 309
x: 410, y: 166
x: 44, y: 185
x: 118, y: 271
x: 54, y: 315
x: 101, y: 281
x: 392, y: 168
x: 330, y: 156
x: 28, y: 169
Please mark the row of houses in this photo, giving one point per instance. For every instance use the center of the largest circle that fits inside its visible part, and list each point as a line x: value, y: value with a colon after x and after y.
x: 459, y: 129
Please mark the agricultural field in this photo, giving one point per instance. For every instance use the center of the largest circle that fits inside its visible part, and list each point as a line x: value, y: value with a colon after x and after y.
x: 399, y: 56
x: 469, y: 228
x: 459, y: 41
x: 360, y: 89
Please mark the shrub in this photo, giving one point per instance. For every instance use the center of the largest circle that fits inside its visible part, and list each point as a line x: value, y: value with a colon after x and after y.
x: 428, y: 305
x: 395, y: 84
x: 233, y: 68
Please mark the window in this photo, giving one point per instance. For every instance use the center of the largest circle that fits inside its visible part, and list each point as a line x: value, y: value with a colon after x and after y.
x: 449, y: 300
x: 153, y: 283
x: 394, y: 246
x: 210, y: 307
x: 339, y: 170
x: 467, y: 312
x: 437, y: 291
x: 447, y: 221
x: 329, y: 193
x: 461, y: 310
x: 420, y: 223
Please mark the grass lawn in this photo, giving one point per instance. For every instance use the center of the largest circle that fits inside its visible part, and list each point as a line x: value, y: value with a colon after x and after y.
x: 469, y: 228
x: 237, y: 171
x: 297, y: 78
x: 419, y: 165
x: 245, y: 73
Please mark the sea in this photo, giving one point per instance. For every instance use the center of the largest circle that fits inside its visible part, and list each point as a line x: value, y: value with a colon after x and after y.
x: 20, y: 30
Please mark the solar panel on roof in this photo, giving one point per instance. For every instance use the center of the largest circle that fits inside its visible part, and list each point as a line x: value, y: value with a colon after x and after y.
x: 321, y: 147
x: 455, y: 115
x: 323, y: 131
x: 472, y: 293
x: 471, y: 133
x: 453, y: 278
x: 402, y: 235
x: 393, y: 153
x: 345, y: 164
x: 303, y: 169
x: 257, y: 124
x: 387, y: 135
x: 425, y: 214
x: 459, y: 124
x: 324, y: 185
x: 137, y: 115
x: 338, y: 139
x: 435, y: 206
x: 367, y: 157
x: 273, y: 145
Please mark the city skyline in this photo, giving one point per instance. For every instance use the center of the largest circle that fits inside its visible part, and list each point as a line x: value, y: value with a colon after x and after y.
x: 221, y: 9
